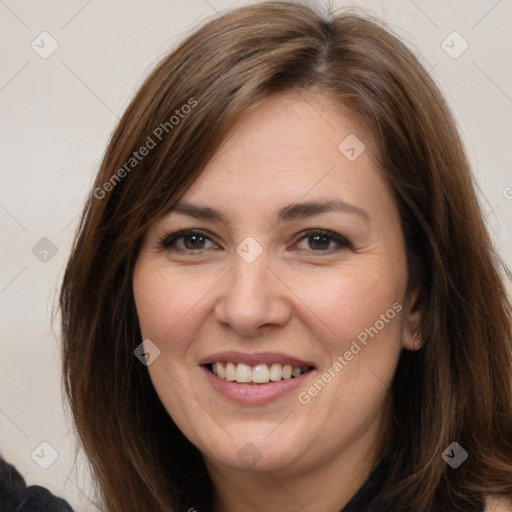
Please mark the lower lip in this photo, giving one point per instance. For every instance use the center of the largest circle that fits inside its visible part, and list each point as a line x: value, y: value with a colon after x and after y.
x: 255, y: 393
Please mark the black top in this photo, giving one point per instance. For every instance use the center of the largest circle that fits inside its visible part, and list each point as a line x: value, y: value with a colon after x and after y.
x: 370, y: 489
x: 368, y: 499
x: 15, y: 496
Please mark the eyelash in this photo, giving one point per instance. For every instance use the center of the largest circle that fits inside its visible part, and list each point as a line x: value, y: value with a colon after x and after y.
x: 168, y: 239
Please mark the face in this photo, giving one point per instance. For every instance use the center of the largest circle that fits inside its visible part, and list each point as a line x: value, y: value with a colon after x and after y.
x: 276, y: 294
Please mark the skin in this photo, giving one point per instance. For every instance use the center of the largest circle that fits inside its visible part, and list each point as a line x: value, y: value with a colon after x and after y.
x: 495, y: 503
x: 296, y: 298
x: 498, y: 504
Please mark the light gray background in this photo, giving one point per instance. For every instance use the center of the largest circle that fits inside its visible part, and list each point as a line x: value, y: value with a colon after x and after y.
x: 57, y: 115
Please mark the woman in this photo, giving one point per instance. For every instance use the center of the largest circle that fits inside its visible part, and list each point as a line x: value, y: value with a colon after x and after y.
x: 282, y: 295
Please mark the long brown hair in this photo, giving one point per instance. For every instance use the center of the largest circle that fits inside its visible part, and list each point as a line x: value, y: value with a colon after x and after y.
x: 457, y: 388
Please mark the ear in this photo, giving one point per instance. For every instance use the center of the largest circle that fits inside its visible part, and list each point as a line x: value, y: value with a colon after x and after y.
x: 412, y: 337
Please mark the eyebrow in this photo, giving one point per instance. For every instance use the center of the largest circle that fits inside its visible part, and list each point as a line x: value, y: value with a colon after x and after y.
x: 287, y: 213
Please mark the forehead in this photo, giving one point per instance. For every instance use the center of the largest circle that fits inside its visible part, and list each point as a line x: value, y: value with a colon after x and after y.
x: 288, y: 148
x: 293, y: 130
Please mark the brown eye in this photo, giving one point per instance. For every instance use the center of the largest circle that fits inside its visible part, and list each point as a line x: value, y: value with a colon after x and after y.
x: 323, y: 241
x: 187, y: 241
x: 193, y: 241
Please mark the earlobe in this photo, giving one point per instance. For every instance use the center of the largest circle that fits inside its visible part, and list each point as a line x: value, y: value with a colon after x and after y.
x: 412, y: 340
x: 418, y: 340
x: 413, y: 337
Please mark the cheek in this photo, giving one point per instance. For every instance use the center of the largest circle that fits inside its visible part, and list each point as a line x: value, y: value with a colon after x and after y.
x: 357, y: 320
x: 170, y: 309
x: 352, y: 304
x: 168, y: 303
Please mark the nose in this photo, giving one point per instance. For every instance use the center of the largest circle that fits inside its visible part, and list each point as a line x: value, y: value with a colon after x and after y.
x: 252, y: 298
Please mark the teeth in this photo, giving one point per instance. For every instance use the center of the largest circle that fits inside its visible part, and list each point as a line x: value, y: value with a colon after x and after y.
x: 259, y: 374
x: 219, y: 370
x: 230, y: 371
x: 276, y: 372
x: 243, y: 373
x: 287, y: 371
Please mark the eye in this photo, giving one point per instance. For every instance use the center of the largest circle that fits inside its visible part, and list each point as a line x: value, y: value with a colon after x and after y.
x: 320, y: 240
x: 194, y: 240
x: 188, y: 240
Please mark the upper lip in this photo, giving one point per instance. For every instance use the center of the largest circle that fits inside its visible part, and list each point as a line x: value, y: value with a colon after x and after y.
x: 252, y: 359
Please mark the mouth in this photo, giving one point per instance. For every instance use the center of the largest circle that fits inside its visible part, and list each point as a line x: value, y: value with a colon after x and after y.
x: 257, y: 378
x: 259, y: 374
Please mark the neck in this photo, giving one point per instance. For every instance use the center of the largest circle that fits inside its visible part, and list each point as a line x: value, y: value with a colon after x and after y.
x: 326, y: 487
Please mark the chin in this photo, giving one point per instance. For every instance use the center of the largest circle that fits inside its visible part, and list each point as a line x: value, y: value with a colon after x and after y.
x: 255, y: 452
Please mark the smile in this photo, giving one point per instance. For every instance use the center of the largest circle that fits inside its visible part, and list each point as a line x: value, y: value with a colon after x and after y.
x: 257, y: 374
x: 256, y: 378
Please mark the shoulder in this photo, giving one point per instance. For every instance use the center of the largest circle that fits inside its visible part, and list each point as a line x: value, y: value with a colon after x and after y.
x: 498, y: 504
x: 16, y: 495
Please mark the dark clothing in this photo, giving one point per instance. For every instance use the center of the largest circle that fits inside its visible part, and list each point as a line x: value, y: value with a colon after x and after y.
x: 370, y: 489
x: 367, y: 498
x: 15, y: 496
